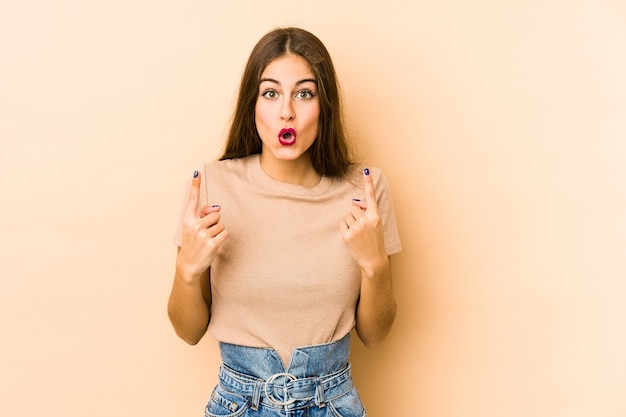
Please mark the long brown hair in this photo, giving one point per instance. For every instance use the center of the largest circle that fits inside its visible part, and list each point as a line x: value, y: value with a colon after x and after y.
x: 330, y: 153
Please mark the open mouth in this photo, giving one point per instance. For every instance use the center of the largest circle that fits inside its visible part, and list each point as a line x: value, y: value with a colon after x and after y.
x: 287, y: 137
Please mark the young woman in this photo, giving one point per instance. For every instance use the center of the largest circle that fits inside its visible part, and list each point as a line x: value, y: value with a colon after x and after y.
x: 284, y: 243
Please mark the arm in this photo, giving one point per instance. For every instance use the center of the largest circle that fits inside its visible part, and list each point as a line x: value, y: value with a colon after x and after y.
x: 376, y: 310
x: 363, y: 233
x: 189, y: 304
x: 190, y: 299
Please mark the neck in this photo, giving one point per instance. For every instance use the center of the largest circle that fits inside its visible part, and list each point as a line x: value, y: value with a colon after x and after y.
x: 298, y: 172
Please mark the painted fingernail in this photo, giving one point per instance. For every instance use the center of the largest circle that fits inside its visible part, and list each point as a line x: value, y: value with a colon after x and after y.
x: 195, y: 174
x: 366, y: 171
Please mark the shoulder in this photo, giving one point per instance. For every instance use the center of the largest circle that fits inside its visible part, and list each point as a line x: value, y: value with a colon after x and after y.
x: 230, y: 164
x: 236, y: 167
x: 222, y: 178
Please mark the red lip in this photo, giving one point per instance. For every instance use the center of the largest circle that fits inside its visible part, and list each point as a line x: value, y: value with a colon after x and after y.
x: 287, y: 137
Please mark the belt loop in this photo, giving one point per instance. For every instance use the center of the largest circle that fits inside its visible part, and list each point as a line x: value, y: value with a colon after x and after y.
x: 256, y: 395
x: 320, y: 401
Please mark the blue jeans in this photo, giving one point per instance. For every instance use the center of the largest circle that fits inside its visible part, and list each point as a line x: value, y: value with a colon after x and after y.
x: 254, y: 383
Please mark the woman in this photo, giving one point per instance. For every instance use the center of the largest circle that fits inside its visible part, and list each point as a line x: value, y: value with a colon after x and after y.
x: 284, y: 243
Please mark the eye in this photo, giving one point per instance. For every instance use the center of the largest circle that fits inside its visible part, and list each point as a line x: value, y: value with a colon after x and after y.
x: 270, y: 94
x: 305, y: 94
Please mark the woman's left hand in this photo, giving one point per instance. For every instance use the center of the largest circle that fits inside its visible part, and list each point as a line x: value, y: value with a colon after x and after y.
x: 362, y: 231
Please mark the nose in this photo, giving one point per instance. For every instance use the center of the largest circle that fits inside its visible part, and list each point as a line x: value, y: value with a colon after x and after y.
x: 287, y: 111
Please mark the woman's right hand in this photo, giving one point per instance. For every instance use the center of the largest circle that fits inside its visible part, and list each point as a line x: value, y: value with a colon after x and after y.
x: 203, y: 234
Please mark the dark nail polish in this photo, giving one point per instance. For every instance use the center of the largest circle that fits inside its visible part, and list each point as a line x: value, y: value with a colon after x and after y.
x: 195, y: 174
x: 367, y: 171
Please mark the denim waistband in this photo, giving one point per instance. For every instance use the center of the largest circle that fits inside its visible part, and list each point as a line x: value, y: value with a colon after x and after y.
x: 305, y: 361
x: 284, y: 389
x: 316, y: 374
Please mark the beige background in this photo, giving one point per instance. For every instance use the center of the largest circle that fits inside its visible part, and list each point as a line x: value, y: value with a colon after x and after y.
x: 501, y: 126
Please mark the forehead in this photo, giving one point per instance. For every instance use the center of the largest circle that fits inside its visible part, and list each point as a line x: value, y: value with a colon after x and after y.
x: 288, y: 67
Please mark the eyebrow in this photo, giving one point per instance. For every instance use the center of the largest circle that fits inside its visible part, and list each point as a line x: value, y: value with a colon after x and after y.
x: 306, y: 80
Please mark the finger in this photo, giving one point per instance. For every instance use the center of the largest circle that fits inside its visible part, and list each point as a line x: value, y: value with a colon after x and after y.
x: 221, y: 236
x: 350, y: 221
x: 344, y: 226
x: 205, y: 210
x: 359, y: 203
x: 370, y: 194
x: 194, y: 195
x: 216, y: 229
x: 208, y: 220
x: 357, y: 213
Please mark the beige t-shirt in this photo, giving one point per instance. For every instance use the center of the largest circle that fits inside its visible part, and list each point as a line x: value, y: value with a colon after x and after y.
x: 284, y: 278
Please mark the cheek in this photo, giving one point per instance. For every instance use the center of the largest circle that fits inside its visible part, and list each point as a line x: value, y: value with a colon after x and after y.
x: 259, y: 116
x: 313, y: 116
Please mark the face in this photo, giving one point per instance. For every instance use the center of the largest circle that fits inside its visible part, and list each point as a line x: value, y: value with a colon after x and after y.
x: 287, y: 111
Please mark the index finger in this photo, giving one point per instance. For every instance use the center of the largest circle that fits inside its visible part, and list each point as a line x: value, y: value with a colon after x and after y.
x: 370, y: 194
x: 194, y: 195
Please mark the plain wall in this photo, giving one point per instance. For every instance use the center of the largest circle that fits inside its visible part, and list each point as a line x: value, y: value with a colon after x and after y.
x: 500, y: 125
